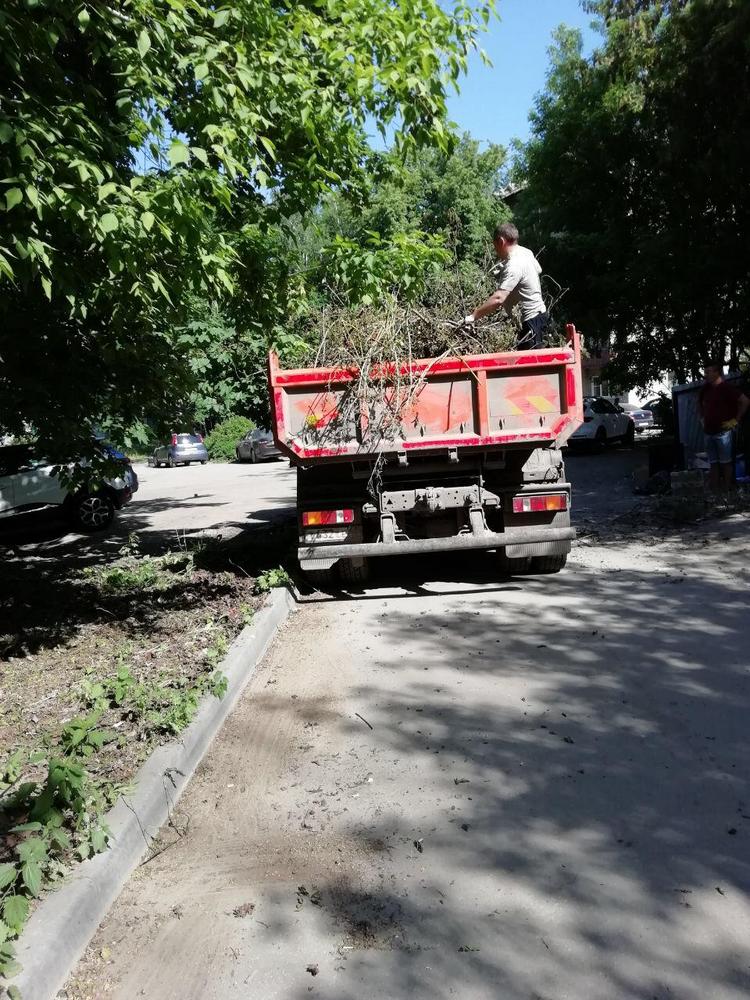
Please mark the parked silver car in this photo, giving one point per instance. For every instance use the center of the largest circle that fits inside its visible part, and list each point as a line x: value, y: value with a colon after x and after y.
x: 641, y: 417
x: 181, y: 450
x: 257, y: 446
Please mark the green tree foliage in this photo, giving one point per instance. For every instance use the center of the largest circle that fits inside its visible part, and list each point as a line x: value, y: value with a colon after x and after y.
x: 449, y: 193
x: 362, y: 272
x: 638, y: 176
x: 145, y: 148
x: 222, y: 440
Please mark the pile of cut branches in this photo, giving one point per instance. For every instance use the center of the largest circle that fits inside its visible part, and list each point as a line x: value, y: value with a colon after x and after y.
x: 394, y: 332
x: 379, y: 345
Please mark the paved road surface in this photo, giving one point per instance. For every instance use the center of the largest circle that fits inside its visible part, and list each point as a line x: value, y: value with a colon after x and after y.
x: 220, y: 498
x: 461, y: 786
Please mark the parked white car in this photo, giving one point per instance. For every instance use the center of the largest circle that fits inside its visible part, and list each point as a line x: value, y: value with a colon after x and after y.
x: 27, y: 483
x: 603, y: 423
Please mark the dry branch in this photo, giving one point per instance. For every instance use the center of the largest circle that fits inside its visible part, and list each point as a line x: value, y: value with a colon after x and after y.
x: 379, y: 345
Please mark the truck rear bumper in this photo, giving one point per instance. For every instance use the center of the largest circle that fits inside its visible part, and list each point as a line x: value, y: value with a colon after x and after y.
x: 451, y: 543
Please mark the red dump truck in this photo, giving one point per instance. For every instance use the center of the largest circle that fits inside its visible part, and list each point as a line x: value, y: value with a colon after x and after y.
x: 450, y: 454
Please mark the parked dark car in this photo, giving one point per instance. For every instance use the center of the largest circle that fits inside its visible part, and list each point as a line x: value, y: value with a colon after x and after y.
x: 181, y: 450
x: 662, y: 412
x: 28, y: 482
x: 257, y: 446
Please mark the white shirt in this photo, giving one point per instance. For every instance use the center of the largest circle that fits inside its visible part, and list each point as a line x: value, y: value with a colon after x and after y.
x: 519, y: 276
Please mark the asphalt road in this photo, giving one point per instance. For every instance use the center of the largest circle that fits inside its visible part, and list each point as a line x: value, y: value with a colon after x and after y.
x: 221, y: 499
x: 458, y: 785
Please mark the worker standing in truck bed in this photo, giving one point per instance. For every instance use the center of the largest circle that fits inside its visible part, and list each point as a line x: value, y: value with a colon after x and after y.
x: 518, y: 282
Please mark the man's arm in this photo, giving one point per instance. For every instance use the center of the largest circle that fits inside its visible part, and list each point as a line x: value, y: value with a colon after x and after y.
x: 742, y: 404
x: 511, y: 277
x: 493, y: 303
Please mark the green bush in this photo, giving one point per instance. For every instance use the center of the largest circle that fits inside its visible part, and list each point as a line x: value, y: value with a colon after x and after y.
x: 223, y: 438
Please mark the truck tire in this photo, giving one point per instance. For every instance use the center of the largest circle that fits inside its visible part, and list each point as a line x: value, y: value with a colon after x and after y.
x: 321, y: 579
x: 548, y: 564
x: 513, y: 567
x: 352, y: 573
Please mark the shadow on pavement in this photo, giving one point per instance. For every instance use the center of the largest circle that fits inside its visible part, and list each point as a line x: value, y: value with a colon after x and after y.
x: 597, y: 843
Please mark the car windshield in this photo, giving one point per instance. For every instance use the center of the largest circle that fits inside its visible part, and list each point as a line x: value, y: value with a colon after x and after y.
x: 188, y: 439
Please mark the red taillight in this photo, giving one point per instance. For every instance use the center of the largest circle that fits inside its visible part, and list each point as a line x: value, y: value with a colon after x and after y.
x: 317, y: 518
x: 200, y: 438
x: 587, y: 420
x: 174, y: 439
x: 534, y: 503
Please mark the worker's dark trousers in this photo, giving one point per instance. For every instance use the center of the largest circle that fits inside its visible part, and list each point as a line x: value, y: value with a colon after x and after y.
x: 532, y: 332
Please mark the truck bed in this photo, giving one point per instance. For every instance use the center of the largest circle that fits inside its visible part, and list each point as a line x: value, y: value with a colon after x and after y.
x: 484, y: 401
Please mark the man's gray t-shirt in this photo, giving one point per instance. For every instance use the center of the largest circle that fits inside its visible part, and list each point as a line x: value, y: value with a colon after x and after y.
x: 519, y: 276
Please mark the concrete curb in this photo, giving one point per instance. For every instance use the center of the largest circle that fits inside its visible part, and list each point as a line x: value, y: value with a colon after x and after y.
x: 66, y: 920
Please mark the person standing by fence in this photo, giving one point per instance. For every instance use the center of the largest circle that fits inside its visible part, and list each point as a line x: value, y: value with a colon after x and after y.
x: 721, y: 406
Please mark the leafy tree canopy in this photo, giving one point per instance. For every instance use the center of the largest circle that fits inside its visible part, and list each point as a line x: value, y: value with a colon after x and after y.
x: 449, y: 193
x: 637, y: 175
x: 148, y: 147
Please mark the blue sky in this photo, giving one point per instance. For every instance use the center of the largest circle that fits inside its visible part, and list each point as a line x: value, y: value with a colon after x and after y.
x: 494, y: 102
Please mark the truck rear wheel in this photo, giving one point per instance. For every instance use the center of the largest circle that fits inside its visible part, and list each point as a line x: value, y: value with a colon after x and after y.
x: 354, y: 572
x: 548, y: 564
x: 321, y: 577
x: 513, y: 567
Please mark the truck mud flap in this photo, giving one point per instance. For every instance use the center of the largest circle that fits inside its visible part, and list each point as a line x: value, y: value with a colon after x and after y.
x: 538, y: 549
x: 316, y: 565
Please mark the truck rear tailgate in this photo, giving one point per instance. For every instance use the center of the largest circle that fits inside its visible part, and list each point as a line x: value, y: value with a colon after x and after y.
x: 521, y: 398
